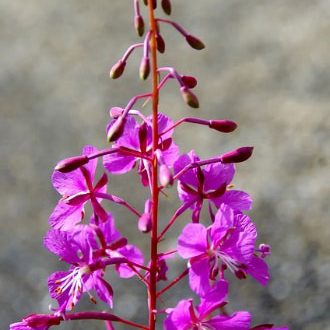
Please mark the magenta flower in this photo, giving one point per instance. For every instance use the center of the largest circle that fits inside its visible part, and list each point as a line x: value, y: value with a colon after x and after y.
x: 185, y: 316
x: 80, y: 248
x: 228, y: 243
x: 136, y: 142
x: 211, y: 183
x: 77, y: 188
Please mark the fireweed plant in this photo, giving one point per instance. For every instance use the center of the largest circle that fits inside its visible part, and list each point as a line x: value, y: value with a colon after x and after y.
x: 213, y: 246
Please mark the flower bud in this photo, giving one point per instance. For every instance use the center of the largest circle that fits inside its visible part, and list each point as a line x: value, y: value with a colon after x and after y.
x: 194, y: 42
x: 116, y: 129
x: 118, y: 69
x: 166, y: 5
x: 237, y: 156
x: 154, y: 3
x: 139, y: 25
x: 42, y: 320
x: 115, y: 112
x: 224, y: 125
x: 189, y: 97
x: 189, y: 81
x: 145, y: 221
x: 160, y: 43
x: 144, y: 68
x: 71, y: 164
x: 165, y: 176
x: 265, y: 250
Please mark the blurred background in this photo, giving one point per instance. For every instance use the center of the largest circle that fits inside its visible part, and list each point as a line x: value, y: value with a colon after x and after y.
x: 266, y: 66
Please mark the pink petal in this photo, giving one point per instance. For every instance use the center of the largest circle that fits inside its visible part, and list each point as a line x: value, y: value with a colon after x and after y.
x: 237, y: 321
x: 192, y: 241
x: 236, y: 199
x: 65, y: 217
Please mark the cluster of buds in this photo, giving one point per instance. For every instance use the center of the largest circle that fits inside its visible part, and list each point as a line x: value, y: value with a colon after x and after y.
x: 223, y: 241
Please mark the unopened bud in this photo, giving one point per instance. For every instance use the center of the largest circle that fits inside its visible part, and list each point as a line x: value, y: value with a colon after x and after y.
x: 189, y: 81
x: 265, y: 250
x: 189, y: 97
x: 139, y: 25
x: 195, y: 42
x: 160, y: 43
x: 144, y: 68
x: 154, y: 3
x: 166, y: 5
x: 223, y: 125
x: 42, y: 320
x: 144, y: 223
x: 237, y: 156
x: 116, y: 129
x: 118, y: 69
x: 165, y: 176
x: 115, y: 112
x: 71, y: 164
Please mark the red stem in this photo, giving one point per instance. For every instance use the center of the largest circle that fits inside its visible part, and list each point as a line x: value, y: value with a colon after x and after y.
x: 154, y: 170
x: 175, y: 281
x: 101, y: 316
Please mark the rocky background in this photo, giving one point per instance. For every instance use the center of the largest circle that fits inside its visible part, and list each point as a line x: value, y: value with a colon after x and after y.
x: 266, y: 66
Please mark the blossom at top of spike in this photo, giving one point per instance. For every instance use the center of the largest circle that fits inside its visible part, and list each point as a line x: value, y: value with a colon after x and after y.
x: 186, y: 316
x: 228, y: 243
x: 209, y: 182
x: 76, y: 188
x: 137, y: 138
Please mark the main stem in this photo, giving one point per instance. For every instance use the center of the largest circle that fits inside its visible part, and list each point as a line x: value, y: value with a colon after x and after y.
x: 154, y: 176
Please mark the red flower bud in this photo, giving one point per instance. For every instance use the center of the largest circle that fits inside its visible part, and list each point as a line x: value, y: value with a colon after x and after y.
x: 166, y: 5
x: 237, y: 156
x: 194, y: 42
x: 144, y: 68
x: 189, y: 81
x: 42, y: 320
x: 160, y: 43
x: 224, y: 125
x: 139, y: 25
x: 116, y: 129
x: 118, y: 69
x: 71, y: 164
x: 189, y: 97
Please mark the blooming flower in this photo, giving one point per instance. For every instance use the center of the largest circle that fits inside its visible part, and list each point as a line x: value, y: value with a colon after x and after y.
x: 211, y: 183
x: 137, y: 141
x: 228, y: 243
x: 88, y: 260
x: 185, y: 316
x: 77, y: 188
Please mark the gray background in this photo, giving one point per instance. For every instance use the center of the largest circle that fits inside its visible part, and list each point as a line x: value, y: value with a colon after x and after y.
x: 266, y: 66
